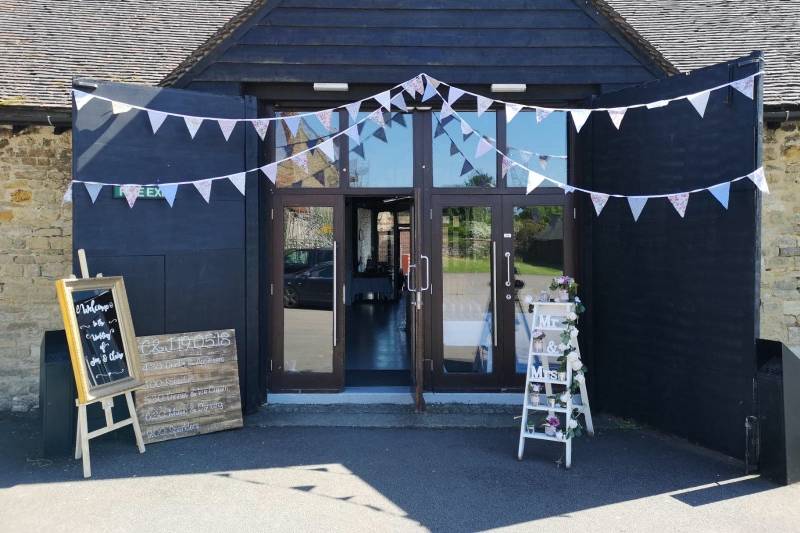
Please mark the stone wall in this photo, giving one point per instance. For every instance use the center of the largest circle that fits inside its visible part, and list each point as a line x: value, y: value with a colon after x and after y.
x: 35, y: 246
x: 780, y: 237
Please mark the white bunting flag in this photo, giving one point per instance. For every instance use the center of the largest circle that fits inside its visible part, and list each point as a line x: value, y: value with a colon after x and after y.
x: 483, y: 147
x: 301, y: 160
x: 204, y: 188
x: 534, y: 180
x: 579, y: 118
x: 744, y: 86
x: 384, y: 99
x: 511, y: 111
x: 326, y: 147
x: 81, y: 99
x: 325, y: 118
x: 446, y: 110
x: 270, y: 171
x: 679, y: 202
x: 399, y: 101
x: 261, y: 125
x: 168, y: 191
x: 226, y: 126
x: 120, y: 107
x: 430, y: 91
x: 454, y: 94
x: 193, y: 124
x: 617, y: 114
x: 377, y: 117
x: 636, y: 204
x: 67, y: 198
x: 542, y: 114
x: 598, y: 201
x: 699, y: 101
x: 292, y: 122
x: 757, y: 177
x: 131, y: 193
x: 419, y: 84
x: 409, y: 88
x: 483, y: 104
x: 567, y: 188
x: 543, y: 160
x: 466, y: 129
x: 352, y: 132
x: 506, y: 164
x: 94, y: 190
x: 721, y: 192
x: 239, y: 181
x: 655, y: 105
x: 433, y: 81
x: 156, y: 119
x: 352, y: 109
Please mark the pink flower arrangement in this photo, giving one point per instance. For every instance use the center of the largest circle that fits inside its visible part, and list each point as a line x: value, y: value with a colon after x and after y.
x: 553, y: 421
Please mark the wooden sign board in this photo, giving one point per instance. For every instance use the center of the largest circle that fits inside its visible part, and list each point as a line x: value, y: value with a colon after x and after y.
x: 191, y: 384
x: 100, y: 335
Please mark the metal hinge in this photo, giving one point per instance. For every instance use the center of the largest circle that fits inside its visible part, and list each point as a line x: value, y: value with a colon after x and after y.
x: 272, y: 214
x: 574, y: 213
x: 271, y: 288
x: 431, y: 214
x: 270, y: 365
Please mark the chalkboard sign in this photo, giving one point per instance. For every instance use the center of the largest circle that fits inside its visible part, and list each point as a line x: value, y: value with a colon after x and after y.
x: 100, y: 335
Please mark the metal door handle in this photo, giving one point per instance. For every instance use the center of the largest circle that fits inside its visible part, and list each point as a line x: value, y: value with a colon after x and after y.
x: 334, y: 294
x: 494, y: 292
x: 409, y: 277
x: 427, y: 273
x: 508, y: 268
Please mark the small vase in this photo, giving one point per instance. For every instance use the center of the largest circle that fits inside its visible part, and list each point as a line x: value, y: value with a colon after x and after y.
x: 536, y: 388
x: 562, y: 376
x: 550, y: 431
x: 538, y: 346
x: 563, y: 295
x: 551, y: 402
x: 559, y: 434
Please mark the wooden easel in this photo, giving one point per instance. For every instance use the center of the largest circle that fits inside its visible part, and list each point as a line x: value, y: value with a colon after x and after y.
x: 82, y: 433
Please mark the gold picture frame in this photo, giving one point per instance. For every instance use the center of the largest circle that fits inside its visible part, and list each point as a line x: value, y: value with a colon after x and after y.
x: 87, y: 391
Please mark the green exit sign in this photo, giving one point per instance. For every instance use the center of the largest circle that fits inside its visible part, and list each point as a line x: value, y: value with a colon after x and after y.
x: 147, y: 193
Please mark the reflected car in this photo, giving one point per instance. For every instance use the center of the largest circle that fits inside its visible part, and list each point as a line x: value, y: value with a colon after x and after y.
x: 297, y: 259
x: 310, y: 287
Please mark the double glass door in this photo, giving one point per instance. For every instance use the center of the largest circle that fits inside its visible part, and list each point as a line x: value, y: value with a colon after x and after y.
x: 491, y: 255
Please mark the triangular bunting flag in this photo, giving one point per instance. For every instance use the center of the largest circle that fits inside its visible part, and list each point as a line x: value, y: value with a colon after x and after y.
x: 261, y: 125
x: 579, y: 118
x: 352, y: 109
x: 320, y: 176
x: 466, y: 167
x: 505, y: 164
x: 543, y: 160
x: 419, y: 84
x: 93, y: 189
x: 270, y: 171
x: 399, y: 101
x: 226, y: 125
x: 525, y: 155
x: 433, y: 81
x: 292, y: 122
x: 131, y: 193
x: 301, y: 160
x: 377, y: 117
x: 204, y: 188
x: 448, y: 119
x: 466, y: 129
x: 483, y: 104
x: 483, y: 147
x: 721, y: 192
x: 400, y: 118
x: 454, y: 94
x: 439, y: 130
x: 384, y: 99
x: 699, y: 102
x: 542, y: 114
x: 325, y: 118
x: 359, y: 150
x: 636, y: 204
x: 168, y: 191
x: 81, y: 98
x: 655, y: 105
x: 567, y: 188
x: 193, y: 124
x: 744, y: 86
x: 511, y: 111
x: 380, y: 134
x: 534, y: 180
x: 409, y: 88
x: 239, y: 181
x: 326, y: 147
x: 446, y: 110
x: 453, y: 148
x: 757, y: 177
x: 430, y: 91
x: 352, y: 132
x: 156, y: 119
x: 67, y: 198
x: 120, y: 107
x: 617, y: 114
x: 679, y: 202
x: 598, y: 201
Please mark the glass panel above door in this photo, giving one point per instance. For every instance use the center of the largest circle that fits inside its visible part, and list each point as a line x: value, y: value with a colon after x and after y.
x: 321, y: 172
x: 454, y: 160
x: 385, y: 157
x: 533, y: 145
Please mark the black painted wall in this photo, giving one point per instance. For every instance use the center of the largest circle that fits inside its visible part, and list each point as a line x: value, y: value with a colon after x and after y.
x: 673, y: 302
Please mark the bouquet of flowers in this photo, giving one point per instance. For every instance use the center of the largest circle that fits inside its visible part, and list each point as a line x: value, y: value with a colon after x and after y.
x: 564, y: 284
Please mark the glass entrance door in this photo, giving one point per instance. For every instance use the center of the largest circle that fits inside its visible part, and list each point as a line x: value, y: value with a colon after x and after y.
x: 307, y: 292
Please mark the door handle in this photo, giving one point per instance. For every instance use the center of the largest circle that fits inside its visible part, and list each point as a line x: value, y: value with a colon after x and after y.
x: 335, y: 282
x: 508, y: 268
x: 427, y: 273
x: 409, y: 277
x: 494, y: 292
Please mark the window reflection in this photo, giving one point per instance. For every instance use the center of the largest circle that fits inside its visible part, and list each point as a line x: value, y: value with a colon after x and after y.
x: 385, y: 157
x: 321, y: 171
x: 530, y: 143
x: 454, y: 161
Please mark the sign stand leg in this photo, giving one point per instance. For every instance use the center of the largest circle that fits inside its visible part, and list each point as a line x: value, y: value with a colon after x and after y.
x: 135, y: 421
x: 82, y: 437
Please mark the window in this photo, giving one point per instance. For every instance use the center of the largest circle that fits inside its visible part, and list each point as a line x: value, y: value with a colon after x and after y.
x: 319, y: 170
x: 385, y: 157
x: 533, y: 144
x: 454, y: 161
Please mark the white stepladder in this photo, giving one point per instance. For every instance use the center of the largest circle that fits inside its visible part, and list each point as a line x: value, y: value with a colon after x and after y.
x: 549, y: 318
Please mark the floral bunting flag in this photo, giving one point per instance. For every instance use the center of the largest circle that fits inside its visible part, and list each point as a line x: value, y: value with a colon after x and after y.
x: 744, y: 86
x: 352, y: 109
x: 466, y: 129
x: 543, y: 160
x: 120, y: 107
x: 94, y: 190
x: 270, y: 171
x: 483, y: 147
x: 384, y: 99
x: 168, y: 191
x: 757, y: 177
x: 453, y: 148
x: 446, y: 110
x: 325, y: 117
x: 679, y: 202
x: 326, y: 147
x: 377, y: 117
x: 67, y: 198
x: 579, y: 118
x: 204, y: 188
x: 599, y: 200
x: 430, y: 91
x: 699, y: 101
x: 156, y: 119
x: 81, y: 99
x: 292, y: 122
x: 636, y: 204
x: 301, y: 160
x: 226, y: 126
x: 410, y: 88
x: 542, y: 114
x: 399, y: 101
x: 483, y: 104
x: 193, y: 124
x: 505, y: 164
x: 511, y: 111
x: 617, y: 114
x: 239, y: 181
x: 721, y: 192
x: 534, y: 180
x: 466, y: 167
x: 352, y: 132
x: 261, y: 125
x: 418, y: 84
x: 454, y: 94
x: 131, y: 193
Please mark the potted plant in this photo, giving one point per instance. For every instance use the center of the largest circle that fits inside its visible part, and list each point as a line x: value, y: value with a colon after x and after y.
x: 551, y: 424
x: 565, y: 288
x: 538, y: 341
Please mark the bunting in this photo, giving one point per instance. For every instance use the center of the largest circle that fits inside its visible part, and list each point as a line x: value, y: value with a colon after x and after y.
x: 226, y: 126
x: 511, y: 111
x: 204, y: 188
x: 193, y: 124
x: 679, y: 202
x: 598, y: 201
x: 157, y: 118
x: 261, y: 126
x: 94, y: 190
x: 636, y: 204
x: 239, y: 181
x: 131, y: 193
x: 168, y: 191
